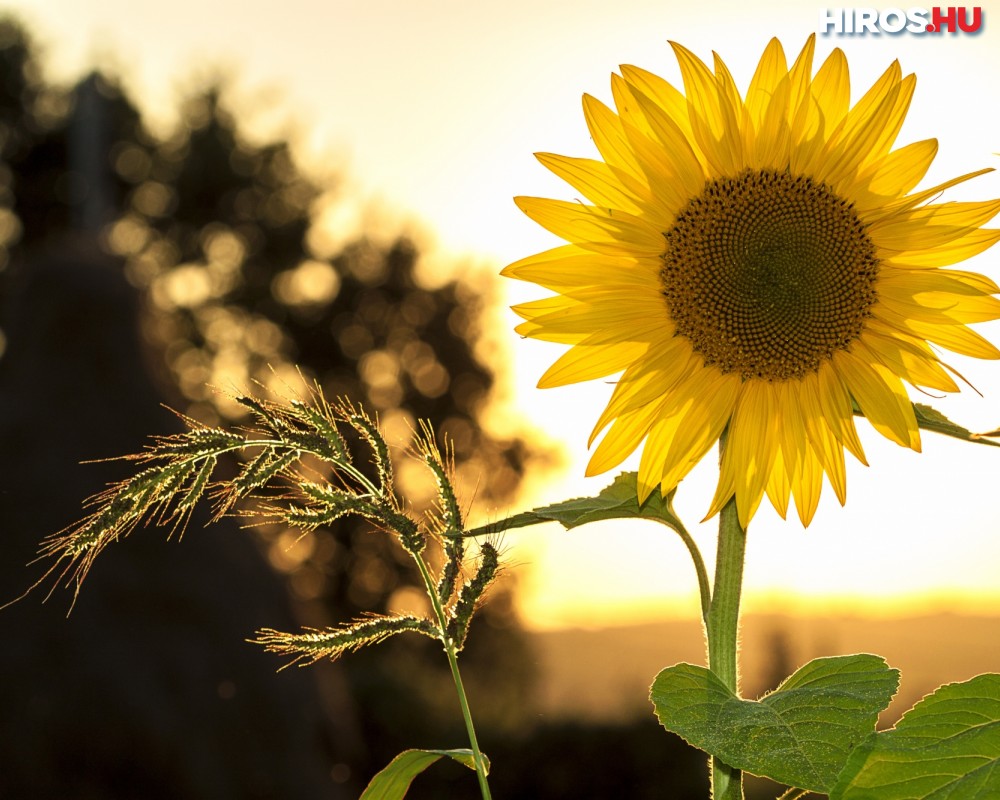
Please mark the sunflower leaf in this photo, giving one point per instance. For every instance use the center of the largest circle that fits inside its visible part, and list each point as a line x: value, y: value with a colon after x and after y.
x: 394, y: 781
x: 618, y: 501
x: 801, y: 734
x: 930, y: 419
x: 933, y: 420
x: 946, y: 747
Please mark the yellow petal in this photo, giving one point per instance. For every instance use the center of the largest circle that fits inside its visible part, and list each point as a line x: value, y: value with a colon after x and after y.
x: 591, y: 227
x: 919, y: 198
x: 862, y: 138
x: 965, y: 246
x: 708, y: 398
x: 837, y: 410
x: 956, y: 338
x: 798, y: 450
x: 654, y: 454
x: 832, y: 89
x: 606, y: 131
x: 779, y: 486
x: 589, y: 318
x: 585, y: 362
x: 938, y: 281
x: 901, y: 170
x: 662, y: 93
x: 704, y: 112
x: 774, y: 137
x: 770, y: 71
x: 675, y: 145
x: 623, y: 438
x: 879, y: 394
x: 585, y: 270
x: 599, y: 183
x: 734, y: 116
x: 699, y: 88
x: 916, y: 369
x: 807, y: 484
x: 750, y: 449
x: 800, y: 74
x: 931, y: 226
x: 830, y: 454
x: 648, y: 381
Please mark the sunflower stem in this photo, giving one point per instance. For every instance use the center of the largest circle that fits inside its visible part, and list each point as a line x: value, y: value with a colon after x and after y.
x: 722, y: 627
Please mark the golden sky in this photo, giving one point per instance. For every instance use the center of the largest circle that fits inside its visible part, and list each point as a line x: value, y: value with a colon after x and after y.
x: 435, y: 108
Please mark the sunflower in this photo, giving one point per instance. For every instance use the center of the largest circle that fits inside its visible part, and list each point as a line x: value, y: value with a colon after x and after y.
x: 759, y: 265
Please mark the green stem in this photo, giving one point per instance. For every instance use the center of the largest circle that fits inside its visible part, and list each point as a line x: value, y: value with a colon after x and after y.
x: 484, y: 786
x: 722, y: 626
x: 463, y: 701
x: 699, y: 564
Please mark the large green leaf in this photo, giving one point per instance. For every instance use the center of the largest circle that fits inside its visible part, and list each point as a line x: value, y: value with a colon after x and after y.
x: 801, y: 734
x: 394, y: 781
x: 617, y: 501
x: 947, y: 747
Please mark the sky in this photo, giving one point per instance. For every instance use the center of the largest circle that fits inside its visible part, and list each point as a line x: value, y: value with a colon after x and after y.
x: 433, y: 110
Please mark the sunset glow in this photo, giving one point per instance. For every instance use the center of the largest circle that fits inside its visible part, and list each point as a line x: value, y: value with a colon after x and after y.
x: 433, y: 112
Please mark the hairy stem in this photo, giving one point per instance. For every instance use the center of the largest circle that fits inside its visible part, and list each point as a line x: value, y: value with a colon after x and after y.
x: 699, y: 567
x: 722, y: 627
x: 451, y: 650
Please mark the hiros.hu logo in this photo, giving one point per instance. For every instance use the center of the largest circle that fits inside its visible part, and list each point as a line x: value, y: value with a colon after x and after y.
x: 852, y: 21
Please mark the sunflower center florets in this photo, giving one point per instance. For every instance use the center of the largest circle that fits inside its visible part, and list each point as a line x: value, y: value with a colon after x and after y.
x: 768, y: 274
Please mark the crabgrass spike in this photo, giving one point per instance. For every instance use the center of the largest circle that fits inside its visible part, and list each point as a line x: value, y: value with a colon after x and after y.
x: 175, y: 475
x: 309, y: 519
x: 409, y: 534
x: 145, y: 488
x: 198, y: 485
x: 311, y: 646
x: 310, y: 441
x: 100, y: 528
x: 458, y: 626
x: 259, y: 407
x: 364, y: 425
x: 326, y: 504
x: 325, y: 426
x: 323, y: 493
x: 200, y: 441
x: 454, y: 552
x: 451, y: 513
x: 264, y: 467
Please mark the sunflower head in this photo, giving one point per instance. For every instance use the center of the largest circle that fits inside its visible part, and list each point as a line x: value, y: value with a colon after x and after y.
x: 759, y: 264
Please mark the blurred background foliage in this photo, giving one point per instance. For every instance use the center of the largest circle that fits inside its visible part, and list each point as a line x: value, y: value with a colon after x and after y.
x: 214, y: 240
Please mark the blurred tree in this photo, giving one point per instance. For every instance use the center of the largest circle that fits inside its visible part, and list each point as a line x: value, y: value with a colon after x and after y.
x: 215, y: 231
x: 148, y: 691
